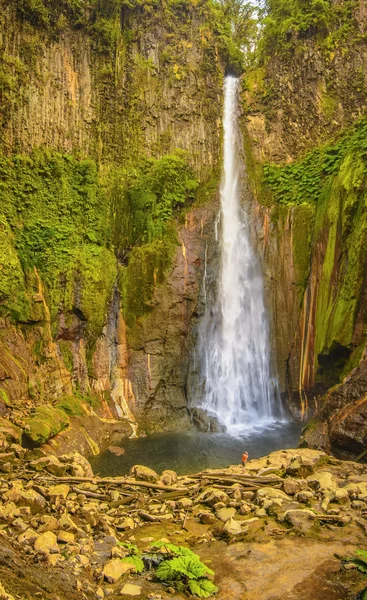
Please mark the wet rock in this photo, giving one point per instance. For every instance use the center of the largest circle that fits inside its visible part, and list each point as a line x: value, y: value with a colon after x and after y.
x: 168, y: 477
x: 205, y: 422
x: 46, y: 543
x: 225, y: 513
x: 130, y: 589
x: 141, y: 473
x: 114, y: 569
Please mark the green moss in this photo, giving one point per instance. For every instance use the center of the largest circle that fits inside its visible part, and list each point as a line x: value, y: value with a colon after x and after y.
x: 66, y: 354
x: 13, y: 294
x: 328, y: 105
x: 4, y: 397
x: 45, y: 423
x: 146, y: 269
x: 71, y: 405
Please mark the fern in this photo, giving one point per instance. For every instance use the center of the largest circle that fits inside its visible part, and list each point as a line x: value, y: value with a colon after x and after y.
x: 202, y: 588
x: 131, y: 547
x: 136, y: 561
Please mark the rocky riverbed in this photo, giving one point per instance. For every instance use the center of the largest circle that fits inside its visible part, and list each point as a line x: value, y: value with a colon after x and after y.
x: 278, y: 530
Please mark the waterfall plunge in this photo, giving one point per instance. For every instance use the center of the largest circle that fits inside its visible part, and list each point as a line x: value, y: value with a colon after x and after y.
x: 234, y: 333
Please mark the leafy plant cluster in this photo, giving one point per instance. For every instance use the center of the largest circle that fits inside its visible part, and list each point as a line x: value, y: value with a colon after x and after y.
x: 286, y: 22
x: 307, y: 180
x: 145, y: 198
x: 174, y: 565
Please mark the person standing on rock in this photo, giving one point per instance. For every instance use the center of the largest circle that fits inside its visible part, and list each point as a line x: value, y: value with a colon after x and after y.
x: 244, y: 460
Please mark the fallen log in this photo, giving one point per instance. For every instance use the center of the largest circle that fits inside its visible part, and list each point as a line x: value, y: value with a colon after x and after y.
x: 112, y: 481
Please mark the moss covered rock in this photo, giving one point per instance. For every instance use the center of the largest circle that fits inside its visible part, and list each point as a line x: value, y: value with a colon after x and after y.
x: 46, y: 422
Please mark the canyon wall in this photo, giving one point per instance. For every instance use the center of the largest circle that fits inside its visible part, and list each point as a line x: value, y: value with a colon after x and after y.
x: 304, y: 130
x: 110, y: 127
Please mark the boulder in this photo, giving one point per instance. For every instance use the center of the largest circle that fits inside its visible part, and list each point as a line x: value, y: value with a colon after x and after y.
x: 67, y: 524
x: 291, y: 486
x: 185, y: 503
x: 305, y: 496
x: 10, y: 431
x: 168, y: 477
x: 22, y: 497
x: 77, y: 465
x: 65, y: 537
x: 217, y: 496
x: 48, y: 523
x: 130, y: 589
x: 8, y: 512
x: 233, y: 527
x: 46, y: 543
x: 28, y: 537
x: 341, y: 496
x: 115, y: 568
x: 301, y: 520
x: 142, y: 473
x: 301, y: 467
x: 225, y: 513
x: 207, y: 518
x: 45, y: 422
x: 60, y: 491
x: 51, y: 464
x: 322, y: 481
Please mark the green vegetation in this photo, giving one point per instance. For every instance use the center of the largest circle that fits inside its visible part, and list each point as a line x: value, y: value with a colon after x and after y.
x: 45, y: 422
x: 331, y: 183
x: 311, y: 178
x: 71, y: 405
x: 176, y: 565
x: 55, y: 218
x: 360, y: 561
x: 145, y: 198
x: 60, y: 215
x: 289, y: 23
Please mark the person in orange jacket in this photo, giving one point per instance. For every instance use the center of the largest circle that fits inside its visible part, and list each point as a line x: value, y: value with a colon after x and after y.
x: 244, y: 459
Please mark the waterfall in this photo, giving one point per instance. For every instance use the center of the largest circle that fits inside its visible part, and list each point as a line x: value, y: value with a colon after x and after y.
x: 233, y: 336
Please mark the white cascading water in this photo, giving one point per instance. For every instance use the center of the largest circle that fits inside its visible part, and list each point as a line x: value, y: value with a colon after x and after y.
x: 239, y: 390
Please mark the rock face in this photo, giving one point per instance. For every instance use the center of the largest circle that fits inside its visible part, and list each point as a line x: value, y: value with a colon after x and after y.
x: 153, y: 87
x: 310, y: 234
